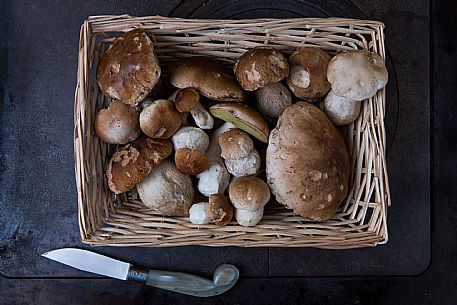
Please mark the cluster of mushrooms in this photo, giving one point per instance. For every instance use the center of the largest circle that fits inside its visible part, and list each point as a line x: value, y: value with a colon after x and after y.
x: 183, y: 154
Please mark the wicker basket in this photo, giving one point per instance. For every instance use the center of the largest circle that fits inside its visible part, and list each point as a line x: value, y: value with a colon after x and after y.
x: 123, y: 221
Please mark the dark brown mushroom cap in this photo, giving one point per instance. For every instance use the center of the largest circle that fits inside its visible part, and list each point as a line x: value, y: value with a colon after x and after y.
x: 130, y: 164
x: 260, y: 66
x: 129, y: 69
x: 186, y: 99
x: 208, y: 76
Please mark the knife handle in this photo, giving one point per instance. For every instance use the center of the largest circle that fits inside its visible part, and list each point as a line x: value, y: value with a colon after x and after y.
x: 224, y: 278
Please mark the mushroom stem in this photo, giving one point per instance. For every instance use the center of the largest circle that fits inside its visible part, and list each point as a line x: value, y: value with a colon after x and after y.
x: 202, y: 117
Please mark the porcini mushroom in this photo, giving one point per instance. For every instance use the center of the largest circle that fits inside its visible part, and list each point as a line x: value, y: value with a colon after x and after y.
x: 207, y: 76
x: 235, y: 144
x: 160, y: 120
x: 191, y: 144
x: 118, y: 124
x: 130, y: 164
x: 249, y: 195
x: 271, y: 100
x: 357, y: 75
x: 129, y: 70
x: 243, y: 117
x: 308, y: 73
x: 341, y: 110
x: 259, y: 67
x: 188, y: 100
x: 167, y: 190
x: 218, y: 211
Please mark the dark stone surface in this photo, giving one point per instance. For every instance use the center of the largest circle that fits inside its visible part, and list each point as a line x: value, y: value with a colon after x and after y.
x: 37, y: 188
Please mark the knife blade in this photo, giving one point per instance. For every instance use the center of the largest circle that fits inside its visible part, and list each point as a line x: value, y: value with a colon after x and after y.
x: 225, y: 276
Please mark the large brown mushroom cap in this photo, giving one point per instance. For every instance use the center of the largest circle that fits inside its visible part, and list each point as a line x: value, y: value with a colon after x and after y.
x: 129, y: 69
x: 132, y: 163
x: 208, y: 76
x: 357, y: 75
x: 260, y: 66
x: 308, y: 73
x: 160, y: 120
x: 117, y: 124
x: 307, y: 162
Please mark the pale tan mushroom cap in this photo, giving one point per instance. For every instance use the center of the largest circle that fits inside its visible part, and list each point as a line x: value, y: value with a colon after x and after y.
x: 249, y: 193
x: 160, y: 120
x: 357, y: 75
x: 118, y: 124
x: 260, y: 66
x: 129, y: 70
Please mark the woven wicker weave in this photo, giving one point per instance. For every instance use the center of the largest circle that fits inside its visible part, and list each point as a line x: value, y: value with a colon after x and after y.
x: 123, y: 221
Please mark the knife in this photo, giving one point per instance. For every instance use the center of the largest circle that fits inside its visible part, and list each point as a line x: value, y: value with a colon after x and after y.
x: 225, y: 276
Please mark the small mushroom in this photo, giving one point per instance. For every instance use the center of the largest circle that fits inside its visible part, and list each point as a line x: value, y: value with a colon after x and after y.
x: 243, y: 117
x: 218, y: 211
x: 341, y: 110
x: 271, y: 100
x: 246, y: 166
x: 167, y: 190
x: 235, y: 144
x: 118, y: 124
x: 160, y: 120
x: 249, y: 195
x: 259, y: 67
x: 190, y: 137
x: 191, y: 161
x: 207, y: 76
x: 357, y: 75
x: 129, y: 70
x: 308, y: 73
x: 188, y: 100
x: 130, y: 164
x: 214, y: 180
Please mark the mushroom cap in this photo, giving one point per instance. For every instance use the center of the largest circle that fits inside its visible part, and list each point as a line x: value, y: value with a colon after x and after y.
x: 118, y: 124
x: 191, y: 161
x: 214, y: 180
x: 245, y: 166
x: 131, y: 163
x: 248, y: 218
x: 190, y: 137
x: 219, y: 209
x: 160, y: 120
x: 308, y: 73
x: 243, y: 117
x: 208, y: 76
x: 249, y: 193
x: 167, y: 190
x: 271, y: 100
x: 357, y: 75
x: 307, y: 162
x: 185, y: 99
x: 214, y: 150
x: 341, y: 110
x: 260, y: 66
x: 235, y: 144
x: 129, y: 70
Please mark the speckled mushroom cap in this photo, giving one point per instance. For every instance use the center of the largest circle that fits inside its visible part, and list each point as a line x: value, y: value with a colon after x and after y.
x: 249, y: 193
x: 357, y: 75
x: 208, y: 76
x: 307, y: 162
x: 235, y: 144
x: 131, y: 163
x: 260, y: 66
x: 308, y: 73
x: 117, y: 124
x: 129, y: 70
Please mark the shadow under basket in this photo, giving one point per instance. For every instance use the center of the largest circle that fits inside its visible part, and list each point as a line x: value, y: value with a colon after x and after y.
x: 105, y: 219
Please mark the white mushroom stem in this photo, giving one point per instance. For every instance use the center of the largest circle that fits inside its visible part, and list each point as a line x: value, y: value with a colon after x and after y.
x: 214, y: 180
x: 191, y: 138
x: 202, y: 117
x: 299, y: 77
x: 246, y: 166
x: 248, y: 218
x: 198, y: 214
x: 341, y: 110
